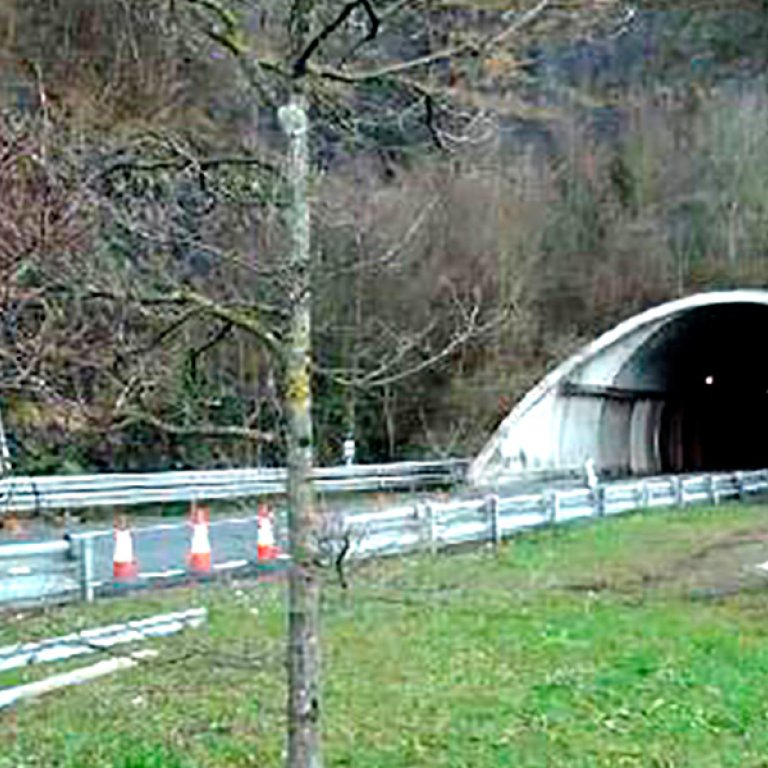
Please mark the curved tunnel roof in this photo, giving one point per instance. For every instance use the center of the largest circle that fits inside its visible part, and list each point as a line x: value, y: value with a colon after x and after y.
x: 656, y: 393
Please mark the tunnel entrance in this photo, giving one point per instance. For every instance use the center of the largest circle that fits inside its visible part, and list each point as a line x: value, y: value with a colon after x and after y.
x: 712, y: 370
x: 681, y: 387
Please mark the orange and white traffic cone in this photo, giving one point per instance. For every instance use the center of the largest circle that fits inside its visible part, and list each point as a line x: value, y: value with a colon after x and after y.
x: 124, y: 565
x: 265, y: 547
x: 199, y: 559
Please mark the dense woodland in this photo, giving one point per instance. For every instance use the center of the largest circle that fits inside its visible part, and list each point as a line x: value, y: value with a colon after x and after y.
x: 471, y: 225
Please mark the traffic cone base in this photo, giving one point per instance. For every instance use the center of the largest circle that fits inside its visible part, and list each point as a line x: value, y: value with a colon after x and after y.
x: 267, y: 552
x: 125, y: 571
x: 200, y: 562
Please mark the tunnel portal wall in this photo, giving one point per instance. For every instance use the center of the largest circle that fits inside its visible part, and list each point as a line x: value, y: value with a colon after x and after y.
x: 680, y: 387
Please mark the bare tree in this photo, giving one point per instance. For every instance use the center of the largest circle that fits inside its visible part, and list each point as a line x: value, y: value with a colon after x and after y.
x: 304, y: 582
x: 361, y: 67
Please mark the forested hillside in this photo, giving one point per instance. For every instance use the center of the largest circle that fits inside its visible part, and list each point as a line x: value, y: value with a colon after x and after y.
x: 471, y: 224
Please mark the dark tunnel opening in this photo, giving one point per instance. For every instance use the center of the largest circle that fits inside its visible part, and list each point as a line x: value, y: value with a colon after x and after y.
x: 712, y: 433
x: 709, y: 367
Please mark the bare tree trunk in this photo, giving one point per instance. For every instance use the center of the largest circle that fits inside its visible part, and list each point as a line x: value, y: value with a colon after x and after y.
x: 304, y: 586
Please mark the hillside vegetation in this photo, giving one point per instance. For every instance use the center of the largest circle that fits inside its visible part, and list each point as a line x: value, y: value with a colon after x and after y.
x: 557, y: 186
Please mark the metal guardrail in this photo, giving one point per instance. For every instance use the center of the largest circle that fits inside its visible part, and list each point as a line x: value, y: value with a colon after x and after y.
x: 35, y: 571
x: 102, y: 640
x: 434, y: 525
x: 25, y: 494
x: 90, y: 641
x: 66, y: 568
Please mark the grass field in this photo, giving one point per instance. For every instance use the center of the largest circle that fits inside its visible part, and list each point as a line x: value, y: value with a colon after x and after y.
x: 640, y: 641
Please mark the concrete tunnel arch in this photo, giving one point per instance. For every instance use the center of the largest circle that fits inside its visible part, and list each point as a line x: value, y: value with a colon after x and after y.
x: 682, y: 387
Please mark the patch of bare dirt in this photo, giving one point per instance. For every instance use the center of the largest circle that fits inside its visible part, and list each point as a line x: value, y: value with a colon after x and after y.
x: 724, y: 566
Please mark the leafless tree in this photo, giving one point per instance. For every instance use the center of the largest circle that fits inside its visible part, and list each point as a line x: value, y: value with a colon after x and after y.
x: 169, y: 284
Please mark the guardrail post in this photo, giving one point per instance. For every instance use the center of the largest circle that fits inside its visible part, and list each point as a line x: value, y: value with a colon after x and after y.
x: 429, y: 533
x: 679, y: 491
x: 711, y: 491
x: 458, y: 473
x: 551, y: 503
x: 645, y: 495
x: 86, y: 568
x: 492, y: 509
x: 598, y: 500
x: 740, y: 485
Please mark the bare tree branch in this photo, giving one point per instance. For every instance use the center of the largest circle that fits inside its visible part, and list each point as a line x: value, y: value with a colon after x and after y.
x: 300, y: 65
x: 203, y: 163
x: 242, y: 316
x: 383, y: 15
x: 387, y: 373
x: 197, y: 430
x: 474, y: 48
x: 167, y: 332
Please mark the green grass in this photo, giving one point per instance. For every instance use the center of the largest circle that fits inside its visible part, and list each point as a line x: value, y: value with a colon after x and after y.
x: 640, y: 641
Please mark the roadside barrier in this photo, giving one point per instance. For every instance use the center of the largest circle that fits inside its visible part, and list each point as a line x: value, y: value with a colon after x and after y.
x: 432, y: 525
x: 30, y: 494
x: 9, y: 696
x: 100, y: 639
x: 31, y: 572
x: 61, y: 569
